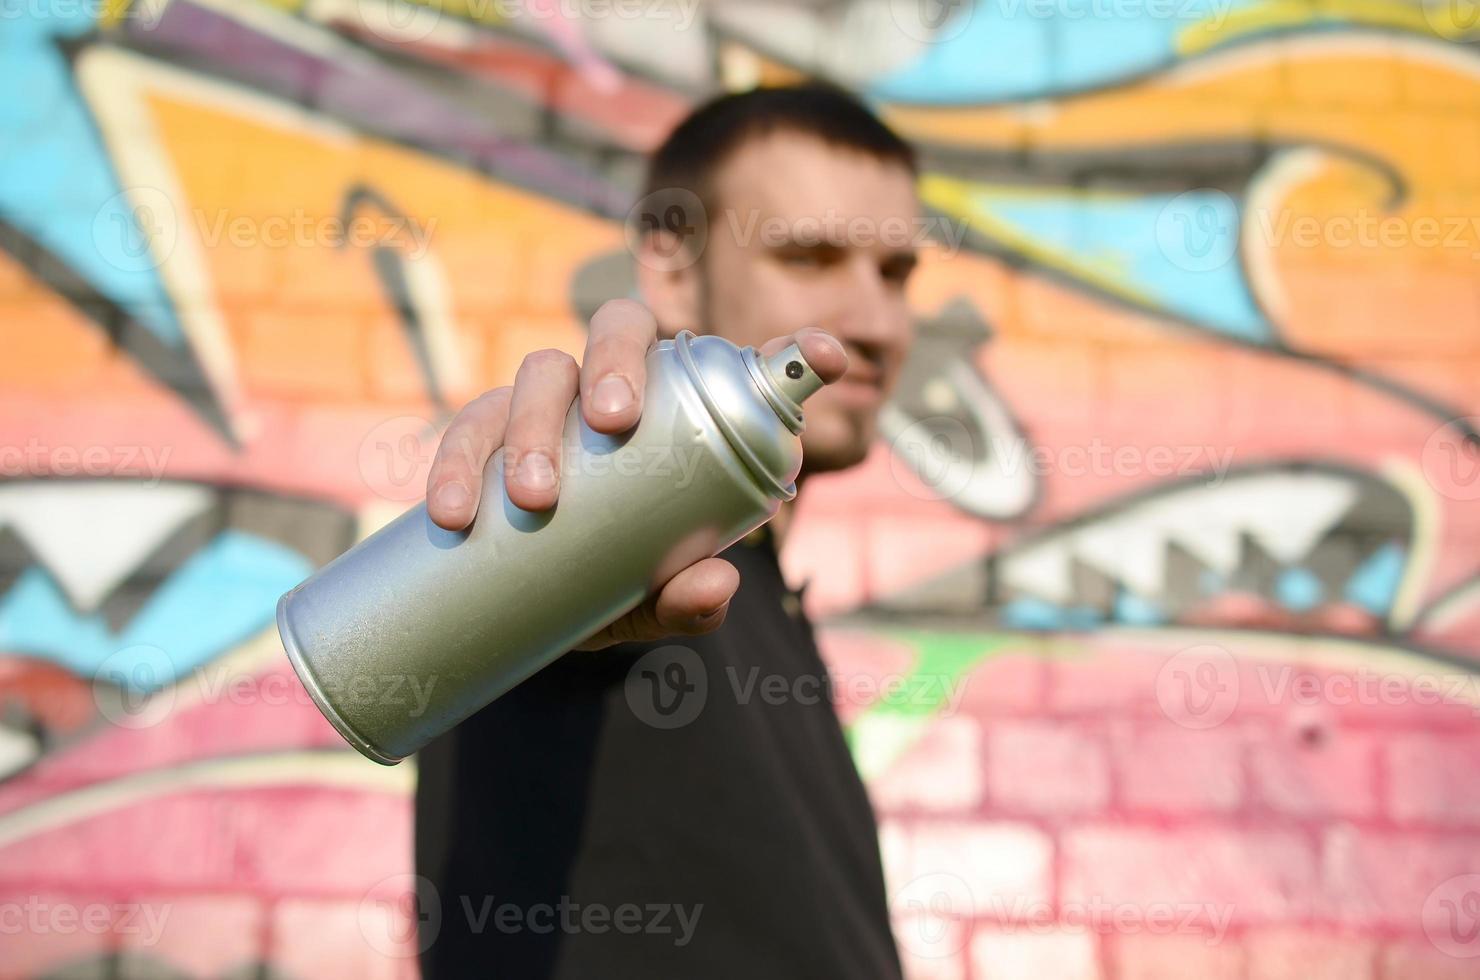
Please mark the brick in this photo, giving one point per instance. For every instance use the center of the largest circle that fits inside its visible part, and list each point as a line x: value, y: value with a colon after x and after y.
x: 931, y: 947
x: 1149, y: 956
x: 215, y: 713
x: 1006, y: 683
x: 859, y: 662
x: 341, y: 839
x: 1331, y: 773
x: 1118, y: 678
x: 40, y: 931
x: 1040, y: 767
x: 1434, y: 778
x: 290, y: 352
x: 343, y: 938
x: 1017, y: 955
x: 940, y: 773
x: 1420, y: 961
x: 1385, y: 694
x: 1257, y: 875
x: 1170, y: 768
x: 924, y: 563
x: 997, y: 863
x: 201, y: 936
x: 1383, y: 878
x: 173, y: 841
x: 828, y: 554
x: 1303, y: 954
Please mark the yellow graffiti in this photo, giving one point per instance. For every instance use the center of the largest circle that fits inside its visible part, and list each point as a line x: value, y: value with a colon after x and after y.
x: 966, y: 200
x: 1453, y: 21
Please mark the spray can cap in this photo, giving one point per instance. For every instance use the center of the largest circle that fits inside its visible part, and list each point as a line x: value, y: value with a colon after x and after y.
x: 755, y: 401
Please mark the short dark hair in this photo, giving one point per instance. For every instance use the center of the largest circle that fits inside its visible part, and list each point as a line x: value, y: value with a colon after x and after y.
x: 693, y: 153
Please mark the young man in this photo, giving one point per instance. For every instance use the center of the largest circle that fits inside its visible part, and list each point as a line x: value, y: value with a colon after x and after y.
x: 590, y: 823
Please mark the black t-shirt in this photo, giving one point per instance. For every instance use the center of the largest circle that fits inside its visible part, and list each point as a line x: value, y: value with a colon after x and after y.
x: 678, y: 811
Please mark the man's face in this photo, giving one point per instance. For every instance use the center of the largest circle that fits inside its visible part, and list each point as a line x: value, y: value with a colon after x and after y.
x: 804, y: 234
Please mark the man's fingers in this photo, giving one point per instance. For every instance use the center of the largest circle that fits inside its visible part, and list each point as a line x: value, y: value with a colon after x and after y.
x: 544, y: 387
x: 614, y: 369
x: 455, y: 480
x: 822, y: 351
x: 694, y: 601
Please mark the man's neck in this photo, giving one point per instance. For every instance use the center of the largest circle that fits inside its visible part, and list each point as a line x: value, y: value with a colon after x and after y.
x: 781, y: 523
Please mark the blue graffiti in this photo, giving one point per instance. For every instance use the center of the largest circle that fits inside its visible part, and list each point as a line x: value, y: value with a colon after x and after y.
x: 222, y: 595
x: 57, y: 183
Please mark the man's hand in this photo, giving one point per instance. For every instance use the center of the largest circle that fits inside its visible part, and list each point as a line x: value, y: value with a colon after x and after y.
x: 528, y: 420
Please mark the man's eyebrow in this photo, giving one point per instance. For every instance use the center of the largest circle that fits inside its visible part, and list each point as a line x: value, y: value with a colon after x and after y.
x: 808, y: 240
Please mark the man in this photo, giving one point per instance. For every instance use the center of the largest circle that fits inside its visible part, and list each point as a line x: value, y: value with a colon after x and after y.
x: 570, y: 830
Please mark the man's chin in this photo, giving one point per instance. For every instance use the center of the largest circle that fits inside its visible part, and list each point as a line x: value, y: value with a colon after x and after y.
x: 835, y: 443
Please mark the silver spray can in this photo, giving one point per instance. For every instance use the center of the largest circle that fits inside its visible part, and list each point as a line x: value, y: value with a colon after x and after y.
x: 416, y: 628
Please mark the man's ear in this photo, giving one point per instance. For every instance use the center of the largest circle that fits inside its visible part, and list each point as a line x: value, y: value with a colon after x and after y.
x: 668, y: 277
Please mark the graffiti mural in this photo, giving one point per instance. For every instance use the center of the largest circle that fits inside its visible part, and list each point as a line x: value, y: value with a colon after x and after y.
x: 1155, y: 616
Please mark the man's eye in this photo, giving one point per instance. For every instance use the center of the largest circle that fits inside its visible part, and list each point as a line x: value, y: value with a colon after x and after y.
x: 803, y: 260
x: 897, y: 273
x: 812, y: 257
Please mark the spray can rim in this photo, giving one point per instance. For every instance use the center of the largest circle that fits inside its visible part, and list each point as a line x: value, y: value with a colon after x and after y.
x: 784, y: 406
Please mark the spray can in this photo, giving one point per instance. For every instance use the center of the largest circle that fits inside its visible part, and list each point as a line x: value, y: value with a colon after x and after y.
x: 416, y: 628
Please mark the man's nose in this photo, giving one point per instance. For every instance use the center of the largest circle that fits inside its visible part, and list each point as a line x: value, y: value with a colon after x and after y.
x: 867, y: 313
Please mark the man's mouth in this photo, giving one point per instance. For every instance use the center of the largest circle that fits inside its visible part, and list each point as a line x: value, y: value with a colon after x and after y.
x: 860, y: 386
